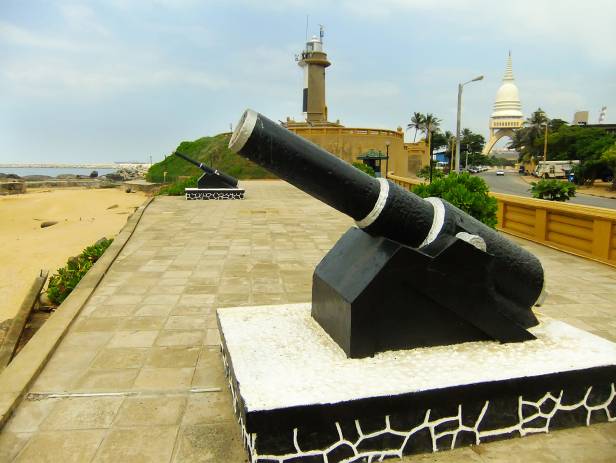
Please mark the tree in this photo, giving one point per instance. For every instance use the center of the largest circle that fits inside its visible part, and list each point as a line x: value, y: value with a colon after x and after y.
x: 430, y: 123
x: 473, y: 141
x: 581, y: 143
x: 440, y: 139
x: 525, y: 138
x: 555, y: 124
x: 609, y: 158
x: 417, y: 120
x: 471, y: 147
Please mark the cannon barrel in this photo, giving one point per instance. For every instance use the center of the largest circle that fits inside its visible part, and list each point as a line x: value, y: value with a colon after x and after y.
x: 224, y: 177
x: 382, y: 208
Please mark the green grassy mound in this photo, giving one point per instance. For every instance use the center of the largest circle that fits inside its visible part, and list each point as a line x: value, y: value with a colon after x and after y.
x: 211, y: 151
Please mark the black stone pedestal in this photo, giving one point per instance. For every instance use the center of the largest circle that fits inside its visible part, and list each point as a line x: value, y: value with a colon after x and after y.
x: 372, y: 294
x: 300, y: 399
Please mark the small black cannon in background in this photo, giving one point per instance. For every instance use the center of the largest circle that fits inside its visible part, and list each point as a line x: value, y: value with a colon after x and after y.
x: 415, y: 273
x: 213, y: 184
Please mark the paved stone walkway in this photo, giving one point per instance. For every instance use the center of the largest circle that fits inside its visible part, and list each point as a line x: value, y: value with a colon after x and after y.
x: 139, y: 376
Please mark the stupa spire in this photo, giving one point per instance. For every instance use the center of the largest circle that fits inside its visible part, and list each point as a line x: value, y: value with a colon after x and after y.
x: 508, y: 70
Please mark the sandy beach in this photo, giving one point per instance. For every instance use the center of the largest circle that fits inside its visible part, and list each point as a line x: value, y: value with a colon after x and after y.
x: 83, y: 216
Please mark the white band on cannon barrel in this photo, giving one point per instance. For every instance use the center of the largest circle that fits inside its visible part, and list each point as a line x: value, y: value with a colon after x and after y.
x: 438, y: 219
x: 378, y: 206
x: 243, y: 130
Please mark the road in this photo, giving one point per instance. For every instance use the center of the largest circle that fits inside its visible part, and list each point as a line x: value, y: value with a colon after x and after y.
x: 512, y: 184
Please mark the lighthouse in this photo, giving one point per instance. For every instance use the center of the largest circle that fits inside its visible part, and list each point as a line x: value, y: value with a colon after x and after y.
x: 314, y: 61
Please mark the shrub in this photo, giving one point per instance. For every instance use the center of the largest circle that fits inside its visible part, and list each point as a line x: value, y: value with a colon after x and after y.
x: 364, y: 168
x: 465, y: 192
x: 424, y: 172
x: 64, y: 281
x: 552, y: 190
x: 177, y: 188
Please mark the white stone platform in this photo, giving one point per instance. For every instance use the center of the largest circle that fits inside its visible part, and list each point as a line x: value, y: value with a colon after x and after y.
x: 299, y: 398
x: 283, y: 358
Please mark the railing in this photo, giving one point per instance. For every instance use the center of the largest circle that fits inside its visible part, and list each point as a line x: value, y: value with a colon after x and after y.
x: 344, y: 131
x: 585, y: 231
x: 582, y: 230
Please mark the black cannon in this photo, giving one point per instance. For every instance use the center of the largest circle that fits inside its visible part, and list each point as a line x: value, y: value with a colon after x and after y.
x: 213, y: 184
x: 416, y: 272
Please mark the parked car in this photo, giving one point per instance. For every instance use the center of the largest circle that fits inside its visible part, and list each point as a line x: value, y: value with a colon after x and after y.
x: 474, y: 170
x: 500, y: 172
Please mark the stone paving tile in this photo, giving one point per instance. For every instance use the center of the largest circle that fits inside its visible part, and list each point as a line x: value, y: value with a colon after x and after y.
x: 209, y: 378
x: 72, y: 359
x: 106, y: 380
x: 61, y: 446
x: 97, y: 324
x: 168, y: 338
x: 106, y: 311
x: 209, y: 407
x: 164, y: 378
x: 143, y: 323
x: 119, y: 358
x: 184, y: 322
x: 209, y: 443
x: 11, y: 443
x: 82, y: 413
x: 153, y: 310
x: 151, y: 411
x: 139, y: 444
x: 133, y: 338
x: 88, y: 339
x: 56, y: 380
x: 30, y: 415
x: 173, y: 357
x: 150, y: 329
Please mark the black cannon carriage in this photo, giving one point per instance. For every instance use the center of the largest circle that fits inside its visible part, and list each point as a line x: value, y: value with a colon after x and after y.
x: 213, y: 184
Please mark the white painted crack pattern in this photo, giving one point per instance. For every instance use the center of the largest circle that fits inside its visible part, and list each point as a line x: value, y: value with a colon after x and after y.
x: 370, y: 456
x: 215, y: 195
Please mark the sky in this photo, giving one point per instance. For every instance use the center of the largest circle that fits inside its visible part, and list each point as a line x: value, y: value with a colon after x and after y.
x: 123, y: 80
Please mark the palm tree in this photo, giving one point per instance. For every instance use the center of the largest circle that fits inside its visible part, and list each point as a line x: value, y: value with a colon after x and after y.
x: 416, y: 123
x: 524, y: 139
x: 430, y: 123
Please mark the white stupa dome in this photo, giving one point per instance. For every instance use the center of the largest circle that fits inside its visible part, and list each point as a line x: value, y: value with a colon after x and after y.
x: 507, y: 103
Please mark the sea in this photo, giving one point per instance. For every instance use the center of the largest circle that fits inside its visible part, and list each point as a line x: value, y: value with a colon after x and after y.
x: 52, y: 171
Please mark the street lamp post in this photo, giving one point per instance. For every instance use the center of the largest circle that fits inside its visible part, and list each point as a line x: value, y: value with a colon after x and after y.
x: 545, y: 145
x: 387, y: 143
x: 458, y: 120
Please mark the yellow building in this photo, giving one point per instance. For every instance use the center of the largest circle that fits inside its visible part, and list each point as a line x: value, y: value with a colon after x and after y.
x: 348, y: 142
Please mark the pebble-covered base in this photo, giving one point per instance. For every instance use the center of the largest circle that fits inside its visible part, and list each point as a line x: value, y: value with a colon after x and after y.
x: 215, y: 194
x: 440, y: 419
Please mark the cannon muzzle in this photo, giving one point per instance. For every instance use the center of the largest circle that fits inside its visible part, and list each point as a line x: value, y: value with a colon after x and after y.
x: 382, y: 208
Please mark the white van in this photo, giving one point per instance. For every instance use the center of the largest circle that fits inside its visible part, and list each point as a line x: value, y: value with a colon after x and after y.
x: 554, y: 169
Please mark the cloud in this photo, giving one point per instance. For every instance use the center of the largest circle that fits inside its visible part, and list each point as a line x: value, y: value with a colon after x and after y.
x: 53, y: 78
x: 82, y: 18
x: 365, y: 90
x: 15, y: 35
x: 586, y: 26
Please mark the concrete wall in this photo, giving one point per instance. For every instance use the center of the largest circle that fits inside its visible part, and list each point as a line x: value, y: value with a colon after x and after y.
x: 348, y: 143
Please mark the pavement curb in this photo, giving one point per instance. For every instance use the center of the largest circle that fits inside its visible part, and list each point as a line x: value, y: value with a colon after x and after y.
x: 24, y: 369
